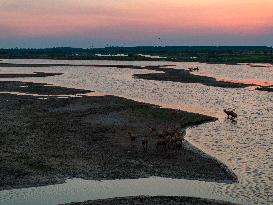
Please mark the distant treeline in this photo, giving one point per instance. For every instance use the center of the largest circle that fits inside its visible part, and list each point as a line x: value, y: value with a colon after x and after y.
x: 210, y: 54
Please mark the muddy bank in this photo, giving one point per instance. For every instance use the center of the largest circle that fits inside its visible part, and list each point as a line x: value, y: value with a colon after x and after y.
x: 185, y: 76
x: 158, y: 200
x: 265, y: 88
x: 38, y: 88
x: 28, y: 75
x: 47, y: 141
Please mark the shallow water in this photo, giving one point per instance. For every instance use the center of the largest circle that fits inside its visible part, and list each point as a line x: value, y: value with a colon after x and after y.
x: 150, y: 56
x: 246, y: 146
x: 78, y: 190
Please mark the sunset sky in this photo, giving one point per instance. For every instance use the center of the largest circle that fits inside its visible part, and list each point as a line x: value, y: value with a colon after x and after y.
x: 82, y: 23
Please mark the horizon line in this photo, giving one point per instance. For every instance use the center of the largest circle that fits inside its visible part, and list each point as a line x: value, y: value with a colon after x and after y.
x: 140, y: 46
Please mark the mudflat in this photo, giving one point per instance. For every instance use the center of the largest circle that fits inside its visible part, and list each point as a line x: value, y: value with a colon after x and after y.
x: 158, y: 200
x: 45, y: 141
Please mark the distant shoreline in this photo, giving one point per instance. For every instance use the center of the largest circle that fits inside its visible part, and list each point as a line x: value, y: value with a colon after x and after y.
x: 206, y: 54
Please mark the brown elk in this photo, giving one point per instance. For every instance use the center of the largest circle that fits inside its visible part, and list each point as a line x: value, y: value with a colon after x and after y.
x: 178, y: 145
x: 153, y: 132
x: 230, y: 114
x: 171, y: 137
x: 161, y: 143
x: 181, y: 136
x: 162, y: 135
x: 132, y: 137
x: 177, y: 138
x: 171, y: 140
x: 196, y: 68
x: 193, y: 69
x: 145, y: 142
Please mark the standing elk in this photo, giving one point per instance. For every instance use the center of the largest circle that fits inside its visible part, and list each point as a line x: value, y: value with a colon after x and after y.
x: 145, y: 142
x: 132, y: 138
x: 161, y: 143
x: 231, y: 114
x: 178, y: 146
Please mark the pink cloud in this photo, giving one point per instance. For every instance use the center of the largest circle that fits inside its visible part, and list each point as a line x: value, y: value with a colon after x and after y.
x: 83, y: 17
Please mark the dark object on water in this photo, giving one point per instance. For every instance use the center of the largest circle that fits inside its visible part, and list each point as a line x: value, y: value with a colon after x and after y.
x: 193, y: 69
x: 231, y: 113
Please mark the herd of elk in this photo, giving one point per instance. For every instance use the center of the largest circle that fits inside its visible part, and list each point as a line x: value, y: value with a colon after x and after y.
x: 191, y: 69
x: 165, y: 140
x: 172, y: 139
x: 168, y: 139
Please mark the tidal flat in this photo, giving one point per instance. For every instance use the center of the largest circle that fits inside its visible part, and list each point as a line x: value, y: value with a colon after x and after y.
x: 117, y: 78
x: 38, y: 136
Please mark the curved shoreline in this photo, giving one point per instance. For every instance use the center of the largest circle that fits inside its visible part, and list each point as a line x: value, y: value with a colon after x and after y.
x: 193, y: 148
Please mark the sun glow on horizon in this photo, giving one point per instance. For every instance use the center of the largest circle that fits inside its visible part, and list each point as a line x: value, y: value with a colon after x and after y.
x: 127, y: 19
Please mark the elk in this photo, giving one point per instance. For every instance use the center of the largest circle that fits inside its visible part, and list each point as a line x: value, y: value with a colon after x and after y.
x: 161, y: 143
x: 194, y: 69
x: 132, y: 138
x: 145, y: 142
x: 181, y: 136
x: 178, y: 145
x: 230, y: 114
x: 170, y: 139
x: 153, y: 131
x: 177, y: 139
x: 162, y: 135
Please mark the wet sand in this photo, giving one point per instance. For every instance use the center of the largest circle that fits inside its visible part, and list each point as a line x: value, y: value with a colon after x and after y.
x: 169, y: 74
x: 159, y: 200
x: 47, y: 141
